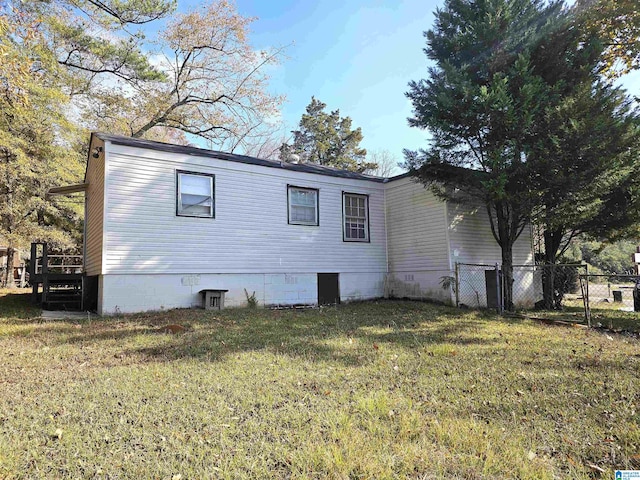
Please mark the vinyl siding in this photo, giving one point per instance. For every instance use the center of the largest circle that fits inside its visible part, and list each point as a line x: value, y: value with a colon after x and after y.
x: 417, y: 238
x: 249, y: 233
x: 94, y: 211
x: 472, y: 240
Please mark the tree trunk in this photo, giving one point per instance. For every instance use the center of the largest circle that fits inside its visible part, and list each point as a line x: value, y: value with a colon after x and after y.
x: 9, y: 281
x: 506, y: 229
x: 552, y: 240
x: 507, y: 276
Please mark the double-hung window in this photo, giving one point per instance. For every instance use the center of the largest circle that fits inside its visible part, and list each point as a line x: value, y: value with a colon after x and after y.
x: 355, y: 217
x: 195, y: 197
x: 303, y: 205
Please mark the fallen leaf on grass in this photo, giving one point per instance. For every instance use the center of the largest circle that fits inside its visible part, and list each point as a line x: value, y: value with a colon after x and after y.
x: 174, y: 328
x: 596, y: 468
x: 57, y: 434
x: 375, y: 346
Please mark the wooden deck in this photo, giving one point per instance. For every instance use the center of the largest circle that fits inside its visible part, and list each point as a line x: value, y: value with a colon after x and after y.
x: 57, y: 280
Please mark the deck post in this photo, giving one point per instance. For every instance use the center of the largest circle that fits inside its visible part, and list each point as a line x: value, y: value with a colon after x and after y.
x: 32, y: 272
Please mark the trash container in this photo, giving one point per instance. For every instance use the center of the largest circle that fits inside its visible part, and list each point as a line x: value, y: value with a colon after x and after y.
x: 636, y: 297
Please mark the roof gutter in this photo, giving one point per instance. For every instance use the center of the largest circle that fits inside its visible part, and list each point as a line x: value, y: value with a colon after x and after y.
x: 67, y: 189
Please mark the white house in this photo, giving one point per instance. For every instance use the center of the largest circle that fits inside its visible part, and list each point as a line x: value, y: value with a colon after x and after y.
x: 164, y: 222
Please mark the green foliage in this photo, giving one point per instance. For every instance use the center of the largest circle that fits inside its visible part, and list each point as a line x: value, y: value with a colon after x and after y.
x: 327, y: 139
x: 34, y: 141
x: 51, y: 52
x: 516, y: 96
x: 87, y: 55
x: 252, y: 300
x: 481, y: 104
x: 215, y: 84
x: 69, y: 66
x: 617, y: 24
x: 561, y: 279
x: 90, y: 40
x: 447, y: 282
x: 607, y: 257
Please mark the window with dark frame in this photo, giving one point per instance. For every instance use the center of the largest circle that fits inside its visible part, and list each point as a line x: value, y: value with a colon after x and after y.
x: 355, y: 217
x: 195, y: 195
x: 303, y: 205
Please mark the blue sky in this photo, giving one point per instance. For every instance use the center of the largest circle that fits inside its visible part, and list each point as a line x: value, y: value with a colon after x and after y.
x: 356, y: 56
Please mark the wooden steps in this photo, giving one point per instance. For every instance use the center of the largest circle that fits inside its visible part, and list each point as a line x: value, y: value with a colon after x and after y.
x: 64, y: 292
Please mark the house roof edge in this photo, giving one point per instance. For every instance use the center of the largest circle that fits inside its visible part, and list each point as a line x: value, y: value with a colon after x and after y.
x: 197, y: 151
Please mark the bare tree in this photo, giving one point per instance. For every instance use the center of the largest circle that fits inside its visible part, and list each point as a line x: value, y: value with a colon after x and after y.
x: 388, y: 163
x: 215, y: 85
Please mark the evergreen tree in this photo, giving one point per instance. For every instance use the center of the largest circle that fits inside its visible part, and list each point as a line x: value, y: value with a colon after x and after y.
x: 515, y: 96
x: 327, y: 139
x: 480, y: 104
x: 34, y: 153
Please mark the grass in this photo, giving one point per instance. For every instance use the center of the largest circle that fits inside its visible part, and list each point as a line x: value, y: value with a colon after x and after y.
x: 603, y: 315
x: 371, y: 390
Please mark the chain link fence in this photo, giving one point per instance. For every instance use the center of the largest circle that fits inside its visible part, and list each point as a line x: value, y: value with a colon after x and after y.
x: 542, y: 287
x: 548, y: 287
x: 611, y: 291
x: 477, y: 285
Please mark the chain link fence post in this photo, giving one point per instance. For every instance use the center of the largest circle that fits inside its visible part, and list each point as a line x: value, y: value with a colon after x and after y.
x: 588, y: 307
x: 499, y: 291
x: 457, y: 280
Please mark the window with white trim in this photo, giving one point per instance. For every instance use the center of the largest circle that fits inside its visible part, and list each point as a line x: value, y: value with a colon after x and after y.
x: 303, y: 205
x: 195, y: 196
x: 356, y: 217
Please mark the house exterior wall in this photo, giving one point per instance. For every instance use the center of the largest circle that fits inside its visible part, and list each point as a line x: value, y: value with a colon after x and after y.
x: 17, y: 258
x: 427, y: 237
x: 417, y: 239
x: 146, y: 257
x: 472, y: 242
x: 149, y: 252
x: 94, y: 211
x: 166, y: 291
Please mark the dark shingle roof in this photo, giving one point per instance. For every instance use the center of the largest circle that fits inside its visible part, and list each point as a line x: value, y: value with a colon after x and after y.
x: 232, y: 157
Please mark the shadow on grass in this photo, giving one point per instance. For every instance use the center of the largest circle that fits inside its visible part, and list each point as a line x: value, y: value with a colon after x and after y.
x: 347, y: 334
x: 609, y: 317
x: 16, y: 304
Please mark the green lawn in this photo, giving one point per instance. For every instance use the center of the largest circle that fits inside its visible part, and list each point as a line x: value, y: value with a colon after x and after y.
x: 603, y: 316
x: 372, y: 390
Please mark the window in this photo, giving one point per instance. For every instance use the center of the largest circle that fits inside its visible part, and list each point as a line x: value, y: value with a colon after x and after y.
x: 195, y: 195
x: 356, y: 217
x: 303, y: 205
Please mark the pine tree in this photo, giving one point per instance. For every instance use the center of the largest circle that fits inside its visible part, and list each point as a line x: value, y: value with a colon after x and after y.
x: 34, y: 155
x: 327, y: 139
x: 516, y: 98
